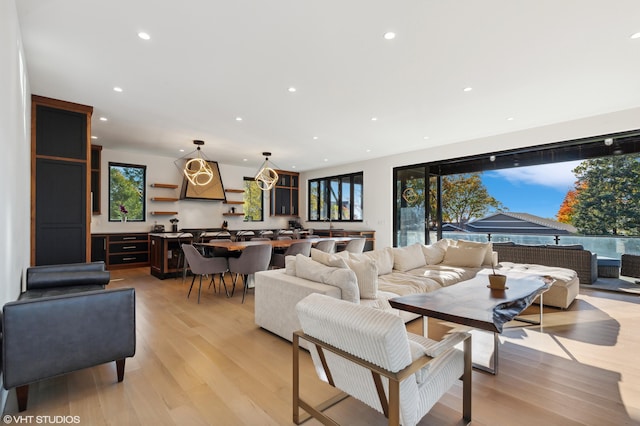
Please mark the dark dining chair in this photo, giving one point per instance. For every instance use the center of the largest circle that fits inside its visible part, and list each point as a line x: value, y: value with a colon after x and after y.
x: 303, y: 247
x: 201, y: 265
x: 253, y: 259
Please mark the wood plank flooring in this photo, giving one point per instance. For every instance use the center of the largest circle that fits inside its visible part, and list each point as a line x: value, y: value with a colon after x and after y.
x: 209, y: 364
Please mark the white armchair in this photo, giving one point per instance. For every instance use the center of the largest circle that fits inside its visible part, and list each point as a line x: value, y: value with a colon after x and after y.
x: 368, y: 354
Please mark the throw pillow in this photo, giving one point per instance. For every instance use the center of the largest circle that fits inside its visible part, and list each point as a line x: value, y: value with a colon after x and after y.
x: 383, y: 258
x: 406, y: 258
x: 366, y: 272
x: 434, y: 253
x: 290, y: 265
x: 464, y: 257
x: 329, y: 259
x: 488, y: 254
x: 343, y: 278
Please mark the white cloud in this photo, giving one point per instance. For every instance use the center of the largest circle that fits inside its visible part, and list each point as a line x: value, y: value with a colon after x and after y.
x: 556, y: 175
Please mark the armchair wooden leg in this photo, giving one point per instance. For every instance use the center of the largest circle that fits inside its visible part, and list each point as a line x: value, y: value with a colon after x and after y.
x: 466, y: 381
x: 120, y: 369
x: 22, y: 392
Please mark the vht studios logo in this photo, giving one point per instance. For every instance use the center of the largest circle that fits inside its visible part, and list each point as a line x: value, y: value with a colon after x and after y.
x: 9, y: 419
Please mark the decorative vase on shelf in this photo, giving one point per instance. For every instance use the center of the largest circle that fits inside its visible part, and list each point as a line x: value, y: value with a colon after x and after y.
x: 123, y: 218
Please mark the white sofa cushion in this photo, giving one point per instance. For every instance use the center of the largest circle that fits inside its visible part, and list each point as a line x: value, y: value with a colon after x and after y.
x: 488, y: 247
x: 409, y: 257
x: 464, y: 257
x: 434, y: 253
x: 366, y: 272
x: 383, y: 258
x: 343, y: 278
x: 329, y: 259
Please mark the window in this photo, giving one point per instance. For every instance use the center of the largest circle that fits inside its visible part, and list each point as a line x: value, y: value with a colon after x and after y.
x: 127, y: 183
x: 253, y: 201
x: 336, y: 198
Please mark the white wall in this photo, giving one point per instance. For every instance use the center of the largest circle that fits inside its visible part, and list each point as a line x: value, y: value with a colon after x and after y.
x: 15, y: 165
x: 378, y: 173
x: 191, y: 213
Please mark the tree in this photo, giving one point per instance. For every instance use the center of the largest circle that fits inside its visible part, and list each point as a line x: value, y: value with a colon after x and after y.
x: 608, y: 199
x: 465, y: 197
x: 566, y: 210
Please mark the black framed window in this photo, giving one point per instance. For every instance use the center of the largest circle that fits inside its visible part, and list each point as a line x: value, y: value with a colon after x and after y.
x: 127, y: 192
x: 253, y: 201
x: 336, y: 198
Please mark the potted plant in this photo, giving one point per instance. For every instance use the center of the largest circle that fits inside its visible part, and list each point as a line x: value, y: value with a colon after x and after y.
x: 497, y: 281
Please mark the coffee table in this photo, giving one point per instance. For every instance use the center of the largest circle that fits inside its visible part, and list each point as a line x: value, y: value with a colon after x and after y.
x: 472, y: 304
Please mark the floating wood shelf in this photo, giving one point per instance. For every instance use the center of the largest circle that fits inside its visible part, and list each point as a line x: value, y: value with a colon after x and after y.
x: 164, y: 185
x: 233, y: 202
x: 232, y: 214
x: 163, y: 199
x: 238, y: 191
x: 164, y: 213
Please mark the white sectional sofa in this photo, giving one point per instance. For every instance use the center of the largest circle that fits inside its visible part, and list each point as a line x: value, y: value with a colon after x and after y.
x: 373, y: 277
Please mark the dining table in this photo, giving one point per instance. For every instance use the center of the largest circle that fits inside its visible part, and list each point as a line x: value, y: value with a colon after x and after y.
x: 276, y: 244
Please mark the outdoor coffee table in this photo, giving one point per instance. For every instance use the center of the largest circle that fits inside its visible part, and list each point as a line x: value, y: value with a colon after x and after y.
x: 473, y: 304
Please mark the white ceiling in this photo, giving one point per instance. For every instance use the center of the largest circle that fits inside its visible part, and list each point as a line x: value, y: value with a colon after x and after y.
x: 210, y: 61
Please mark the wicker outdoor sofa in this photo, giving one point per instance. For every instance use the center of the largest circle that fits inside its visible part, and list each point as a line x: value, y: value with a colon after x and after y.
x: 572, y: 257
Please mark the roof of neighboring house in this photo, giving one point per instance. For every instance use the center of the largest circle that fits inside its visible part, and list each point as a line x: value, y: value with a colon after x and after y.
x: 519, y: 223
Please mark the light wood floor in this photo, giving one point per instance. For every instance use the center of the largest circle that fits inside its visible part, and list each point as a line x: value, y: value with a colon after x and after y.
x: 210, y: 364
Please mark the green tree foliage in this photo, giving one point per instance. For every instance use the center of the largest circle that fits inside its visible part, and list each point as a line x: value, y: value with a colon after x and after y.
x: 253, y: 201
x: 464, y: 197
x: 608, y: 202
x: 126, y: 188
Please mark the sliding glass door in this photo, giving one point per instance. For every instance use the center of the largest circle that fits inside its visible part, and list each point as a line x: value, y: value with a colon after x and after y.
x: 416, y: 206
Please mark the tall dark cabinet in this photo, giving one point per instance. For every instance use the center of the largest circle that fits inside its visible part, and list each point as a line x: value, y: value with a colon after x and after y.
x: 60, y: 181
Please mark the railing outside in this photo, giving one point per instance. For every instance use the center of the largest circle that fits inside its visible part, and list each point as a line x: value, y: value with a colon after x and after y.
x: 603, y: 246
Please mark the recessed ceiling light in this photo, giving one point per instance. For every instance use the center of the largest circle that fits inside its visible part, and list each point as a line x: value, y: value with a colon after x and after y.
x: 374, y: 118
x: 144, y: 35
x: 103, y: 118
x: 367, y: 150
x: 181, y: 150
x: 468, y: 89
x: 425, y: 138
x: 293, y: 167
x: 390, y: 35
x: 510, y: 119
x: 244, y: 159
x: 635, y: 36
x: 291, y: 89
x: 117, y: 89
x: 94, y: 137
x: 238, y: 118
x: 326, y: 159
x: 315, y: 138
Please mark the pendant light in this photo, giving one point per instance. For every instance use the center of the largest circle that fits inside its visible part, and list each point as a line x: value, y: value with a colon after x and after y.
x: 266, y: 177
x: 196, y: 169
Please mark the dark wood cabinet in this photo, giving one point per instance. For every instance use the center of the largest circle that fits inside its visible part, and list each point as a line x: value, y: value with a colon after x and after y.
x: 60, y: 173
x: 119, y: 251
x: 165, y: 254
x: 96, y: 153
x: 284, y: 195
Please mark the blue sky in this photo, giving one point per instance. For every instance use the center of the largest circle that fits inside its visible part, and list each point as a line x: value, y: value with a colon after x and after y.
x: 538, y: 190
